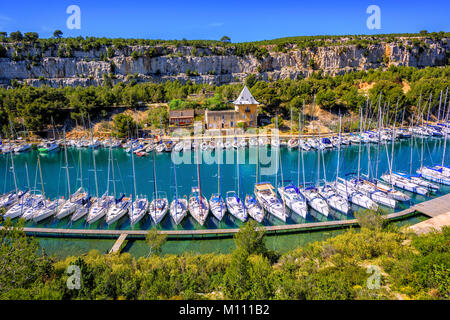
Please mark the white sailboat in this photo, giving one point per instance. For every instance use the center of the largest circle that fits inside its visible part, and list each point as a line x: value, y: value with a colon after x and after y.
x: 159, y: 205
x: 198, y: 205
x: 178, y: 207
x: 269, y: 201
x: 216, y: 202
x: 140, y: 205
x: 290, y: 193
x: 328, y: 191
x: 234, y: 202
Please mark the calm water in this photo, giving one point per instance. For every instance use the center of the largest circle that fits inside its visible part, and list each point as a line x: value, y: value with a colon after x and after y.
x: 62, y: 248
x: 55, y: 182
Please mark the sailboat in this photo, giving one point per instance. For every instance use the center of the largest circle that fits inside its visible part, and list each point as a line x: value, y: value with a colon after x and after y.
x: 12, y: 197
x: 328, y: 191
x: 234, y: 202
x: 178, y: 207
x: 45, y: 208
x: 394, y: 194
x: 439, y: 174
x: 365, y: 186
x: 198, y: 205
x: 216, y: 203
x: 290, y: 193
x: 407, y: 181
x: 139, y: 206
x: 49, y: 146
x: 264, y: 191
x: 77, y: 199
x: 311, y: 192
x: 252, y: 206
x: 159, y: 205
x: 23, y: 203
x: 102, y: 205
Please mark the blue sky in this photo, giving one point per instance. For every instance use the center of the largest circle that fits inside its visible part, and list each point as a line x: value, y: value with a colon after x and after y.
x: 241, y: 20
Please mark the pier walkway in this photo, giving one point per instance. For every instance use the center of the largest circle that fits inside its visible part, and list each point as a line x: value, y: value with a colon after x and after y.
x: 431, y: 208
x: 118, y: 243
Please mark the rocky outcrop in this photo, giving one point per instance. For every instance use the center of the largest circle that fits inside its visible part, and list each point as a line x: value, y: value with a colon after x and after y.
x: 86, y: 68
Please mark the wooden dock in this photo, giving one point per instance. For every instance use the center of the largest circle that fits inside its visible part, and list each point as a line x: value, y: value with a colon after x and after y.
x: 116, y: 247
x: 431, y: 208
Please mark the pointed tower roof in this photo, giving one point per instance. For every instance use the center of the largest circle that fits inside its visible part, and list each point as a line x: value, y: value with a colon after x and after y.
x: 245, y: 97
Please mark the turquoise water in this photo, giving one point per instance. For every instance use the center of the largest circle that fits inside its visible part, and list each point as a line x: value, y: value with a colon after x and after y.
x: 55, y: 183
x: 61, y: 248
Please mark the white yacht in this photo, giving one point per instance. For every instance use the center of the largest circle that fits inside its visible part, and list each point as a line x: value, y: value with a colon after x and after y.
x: 253, y: 208
x: 345, y: 189
x: 198, y: 209
x: 118, y: 210
x: 333, y: 198
x: 178, y: 210
x: 235, y: 206
x: 218, y: 206
x: 138, y: 210
x: 159, y: 207
x: 315, y: 201
x: 269, y: 201
x: 294, y: 199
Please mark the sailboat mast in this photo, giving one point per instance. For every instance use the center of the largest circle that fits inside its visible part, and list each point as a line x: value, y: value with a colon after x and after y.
x: 40, y: 175
x: 393, y: 142
x: 155, y: 188
x: 445, y: 138
x: 28, y: 178
x: 359, y: 150
x: 238, y: 182
x: 12, y: 158
x: 93, y: 157
x: 298, y: 154
x: 276, y: 153
x: 339, y: 148
x: 411, y: 144
x: 439, y: 109
x: 67, y: 166
x: 81, y: 169
x: 379, y: 136
x: 199, y: 185
x: 134, y: 177
x: 301, y: 151
x: 109, y: 161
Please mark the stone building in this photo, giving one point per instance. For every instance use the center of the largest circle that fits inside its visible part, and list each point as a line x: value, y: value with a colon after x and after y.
x: 245, y: 111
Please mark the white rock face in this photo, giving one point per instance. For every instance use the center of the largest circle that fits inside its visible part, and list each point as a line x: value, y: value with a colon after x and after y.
x: 86, y: 68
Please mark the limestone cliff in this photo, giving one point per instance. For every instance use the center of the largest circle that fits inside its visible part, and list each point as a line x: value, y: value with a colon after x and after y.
x: 204, y: 65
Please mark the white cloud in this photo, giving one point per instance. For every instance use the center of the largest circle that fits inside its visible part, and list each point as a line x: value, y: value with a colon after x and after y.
x: 216, y: 24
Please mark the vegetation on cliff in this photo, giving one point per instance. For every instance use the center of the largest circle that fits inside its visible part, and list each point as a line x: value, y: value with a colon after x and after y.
x: 37, y: 106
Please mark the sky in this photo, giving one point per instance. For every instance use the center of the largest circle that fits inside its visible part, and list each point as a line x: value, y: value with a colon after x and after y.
x: 240, y: 20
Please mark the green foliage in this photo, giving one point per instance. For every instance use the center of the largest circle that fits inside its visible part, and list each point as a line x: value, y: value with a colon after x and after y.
x: 225, y: 39
x: 158, y: 117
x: 30, y: 36
x: 21, y: 267
x: 16, y: 36
x: 57, y: 34
x: 216, y: 103
x: 371, y: 219
x: 155, y: 241
x: 326, y: 98
x: 124, y: 125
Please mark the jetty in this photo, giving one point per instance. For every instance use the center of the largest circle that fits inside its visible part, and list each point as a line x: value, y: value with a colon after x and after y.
x: 432, y: 209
